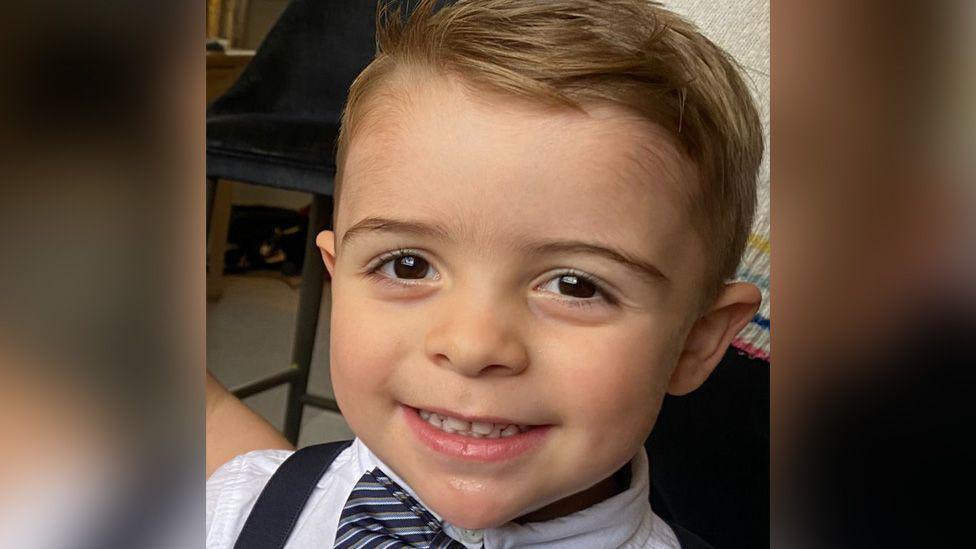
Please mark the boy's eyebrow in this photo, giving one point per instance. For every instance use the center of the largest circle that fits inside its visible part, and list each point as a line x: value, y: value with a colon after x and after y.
x: 370, y: 224
x: 643, y: 268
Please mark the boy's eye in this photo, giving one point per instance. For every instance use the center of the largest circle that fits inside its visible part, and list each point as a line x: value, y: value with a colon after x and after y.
x: 572, y: 286
x: 411, y: 267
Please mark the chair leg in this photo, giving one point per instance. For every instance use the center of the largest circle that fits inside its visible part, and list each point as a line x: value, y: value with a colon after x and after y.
x: 211, y: 193
x: 218, y: 224
x: 309, y: 302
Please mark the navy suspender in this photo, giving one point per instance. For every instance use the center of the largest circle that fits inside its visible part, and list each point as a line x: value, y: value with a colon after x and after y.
x: 277, y: 508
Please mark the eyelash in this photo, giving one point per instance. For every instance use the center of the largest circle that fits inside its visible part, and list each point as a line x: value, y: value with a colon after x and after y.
x: 587, y: 302
x: 372, y: 270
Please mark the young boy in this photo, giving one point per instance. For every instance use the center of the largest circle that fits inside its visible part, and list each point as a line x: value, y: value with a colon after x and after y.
x: 537, y: 207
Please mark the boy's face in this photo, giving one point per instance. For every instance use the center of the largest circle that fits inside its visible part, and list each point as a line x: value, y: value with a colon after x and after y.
x: 497, y: 261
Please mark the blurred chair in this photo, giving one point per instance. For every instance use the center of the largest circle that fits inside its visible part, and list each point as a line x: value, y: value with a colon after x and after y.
x: 277, y: 127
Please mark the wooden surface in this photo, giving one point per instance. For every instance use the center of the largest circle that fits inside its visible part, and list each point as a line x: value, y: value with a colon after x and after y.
x: 223, y: 68
x: 213, y: 18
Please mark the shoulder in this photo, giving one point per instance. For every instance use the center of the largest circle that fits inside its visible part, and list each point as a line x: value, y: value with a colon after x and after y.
x: 653, y: 533
x: 233, y: 489
x: 666, y: 535
x: 688, y: 540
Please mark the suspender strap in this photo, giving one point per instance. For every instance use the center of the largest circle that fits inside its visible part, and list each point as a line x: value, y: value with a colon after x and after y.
x: 280, y: 503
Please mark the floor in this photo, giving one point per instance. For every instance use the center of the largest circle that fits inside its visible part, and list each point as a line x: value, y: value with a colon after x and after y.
x: 249, y: 334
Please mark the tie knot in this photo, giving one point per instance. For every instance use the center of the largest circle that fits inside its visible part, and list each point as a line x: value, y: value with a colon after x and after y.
x: 380, y: 513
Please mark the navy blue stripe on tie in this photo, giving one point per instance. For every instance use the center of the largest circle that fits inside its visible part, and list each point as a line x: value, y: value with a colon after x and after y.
x: 381, y: 514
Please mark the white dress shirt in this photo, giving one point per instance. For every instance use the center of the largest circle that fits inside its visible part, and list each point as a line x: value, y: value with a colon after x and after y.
x: 624, y: 520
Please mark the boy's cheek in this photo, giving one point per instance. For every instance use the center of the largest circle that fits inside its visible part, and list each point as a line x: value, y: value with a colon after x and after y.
x: 622, y: 408
x: 362, y: 356
x: 622, y: 380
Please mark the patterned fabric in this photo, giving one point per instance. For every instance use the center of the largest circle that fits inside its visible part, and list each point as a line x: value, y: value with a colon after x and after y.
x: 741, y: 27
x: 381, y: 514
x: 753, y: 340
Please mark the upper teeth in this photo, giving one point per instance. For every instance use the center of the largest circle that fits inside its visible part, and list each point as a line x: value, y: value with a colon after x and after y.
x: 476, y: 429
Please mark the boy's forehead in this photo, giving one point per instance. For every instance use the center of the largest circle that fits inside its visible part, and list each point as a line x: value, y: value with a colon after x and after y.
x: 411, y: 112
x: 446, y: 153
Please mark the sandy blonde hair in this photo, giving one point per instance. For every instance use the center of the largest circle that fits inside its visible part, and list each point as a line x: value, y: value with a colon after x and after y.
x: 573, y: 53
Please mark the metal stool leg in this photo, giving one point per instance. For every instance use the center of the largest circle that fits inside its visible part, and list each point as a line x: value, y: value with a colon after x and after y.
x: 309, y: 302
x: 211, y: 194
x: 219, y: 198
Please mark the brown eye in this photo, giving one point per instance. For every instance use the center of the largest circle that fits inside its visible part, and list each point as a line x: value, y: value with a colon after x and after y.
x: 410, y: 266
x: 575, y: 286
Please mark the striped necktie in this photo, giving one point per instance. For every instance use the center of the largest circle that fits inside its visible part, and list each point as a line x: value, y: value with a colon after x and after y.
x: 381, y: 514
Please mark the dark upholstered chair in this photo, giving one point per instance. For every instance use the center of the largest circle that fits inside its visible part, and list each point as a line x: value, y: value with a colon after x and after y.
x: 277, y: 126
x: 709, y: 456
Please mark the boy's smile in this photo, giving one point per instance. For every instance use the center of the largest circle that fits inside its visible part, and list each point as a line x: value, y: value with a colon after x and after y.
x: 476, y: 440
x: 522, y: 277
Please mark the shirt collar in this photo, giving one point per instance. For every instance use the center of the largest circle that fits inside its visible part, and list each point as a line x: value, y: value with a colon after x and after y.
x: 624, y: 520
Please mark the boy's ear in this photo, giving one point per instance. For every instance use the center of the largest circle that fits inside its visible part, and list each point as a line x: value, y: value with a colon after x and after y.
x: 711, y: 335
x: 326, y: 243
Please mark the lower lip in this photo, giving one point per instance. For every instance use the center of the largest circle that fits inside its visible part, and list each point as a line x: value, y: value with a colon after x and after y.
x: 470, y: 448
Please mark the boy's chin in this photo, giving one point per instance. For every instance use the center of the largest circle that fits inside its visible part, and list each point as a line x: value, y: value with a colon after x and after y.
x: 475, y: 513
x: 472, y: 519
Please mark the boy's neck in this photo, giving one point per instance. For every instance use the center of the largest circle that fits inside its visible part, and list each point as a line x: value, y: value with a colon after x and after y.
x: 601, y: 491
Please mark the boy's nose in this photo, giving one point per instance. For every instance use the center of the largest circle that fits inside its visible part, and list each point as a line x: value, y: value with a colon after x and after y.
x: 475, y: 338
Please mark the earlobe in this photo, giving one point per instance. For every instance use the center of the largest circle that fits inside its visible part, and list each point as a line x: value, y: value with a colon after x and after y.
x: 326, y: 243
x: 711, y: 335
